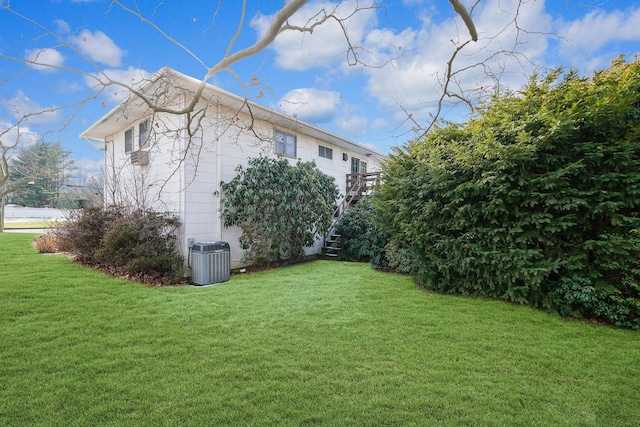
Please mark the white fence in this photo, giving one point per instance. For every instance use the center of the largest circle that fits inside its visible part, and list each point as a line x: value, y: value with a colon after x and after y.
x: 44, y: 213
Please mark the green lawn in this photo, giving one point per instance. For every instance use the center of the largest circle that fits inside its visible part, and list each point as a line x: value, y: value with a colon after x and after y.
x: 324, y: 343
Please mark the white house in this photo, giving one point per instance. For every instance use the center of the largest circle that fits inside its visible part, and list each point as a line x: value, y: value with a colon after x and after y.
x: 159, y: 158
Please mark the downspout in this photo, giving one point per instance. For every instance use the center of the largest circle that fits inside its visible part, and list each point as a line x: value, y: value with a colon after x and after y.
x: 105, y: 183
x: 183, y: 179
x: 218, y: 143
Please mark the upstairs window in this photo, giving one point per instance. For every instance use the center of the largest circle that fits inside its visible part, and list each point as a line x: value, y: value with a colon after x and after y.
x: 355, y: 165
x: 128, y: 141
x: 143, y: 133
x: 325, y: 152
x: 285, y: 144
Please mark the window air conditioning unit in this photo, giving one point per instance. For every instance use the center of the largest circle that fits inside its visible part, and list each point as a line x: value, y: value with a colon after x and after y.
x: 210, y: 263
x: 140, y: 158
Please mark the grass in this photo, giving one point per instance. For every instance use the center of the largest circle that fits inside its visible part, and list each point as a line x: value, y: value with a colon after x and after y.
x: 324, y: 343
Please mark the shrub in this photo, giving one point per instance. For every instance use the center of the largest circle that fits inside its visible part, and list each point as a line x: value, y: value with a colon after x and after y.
x: 48, y: 243
x: 578, y: 297
x: 82, y: 233
x: 362, y: 238
x: 281, y: 208
x: 137, y: 243
x: 541, y: 185
x: 143, y: 243
x: 400, y: 259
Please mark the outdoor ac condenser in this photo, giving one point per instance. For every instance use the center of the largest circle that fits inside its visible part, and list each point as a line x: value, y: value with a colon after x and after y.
x: 210, y: 263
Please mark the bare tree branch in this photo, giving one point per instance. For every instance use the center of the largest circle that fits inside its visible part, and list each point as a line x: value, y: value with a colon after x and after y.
x: 195, y: 110
x: 462, y: 11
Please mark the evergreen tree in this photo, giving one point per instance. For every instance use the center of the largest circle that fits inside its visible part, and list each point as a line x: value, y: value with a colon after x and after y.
x: 46, y: 166
x: 536, y: 200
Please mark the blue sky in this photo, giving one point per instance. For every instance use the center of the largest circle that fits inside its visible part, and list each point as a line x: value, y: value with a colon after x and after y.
x: 406, y: 45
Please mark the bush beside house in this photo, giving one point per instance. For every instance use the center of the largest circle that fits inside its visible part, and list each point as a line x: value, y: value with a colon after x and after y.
x: 362, y: 238
x: 138, y: 244
x: 536, y: 200
x: 281, y: 208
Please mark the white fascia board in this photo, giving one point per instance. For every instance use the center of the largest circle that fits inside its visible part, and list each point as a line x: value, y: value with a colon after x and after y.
x: 128, y: 111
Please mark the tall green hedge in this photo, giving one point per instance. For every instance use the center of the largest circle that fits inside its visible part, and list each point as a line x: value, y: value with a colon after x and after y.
x: 541, y: 185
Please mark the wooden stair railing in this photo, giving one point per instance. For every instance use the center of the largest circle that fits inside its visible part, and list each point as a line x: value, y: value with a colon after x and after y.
x: 359, y: 187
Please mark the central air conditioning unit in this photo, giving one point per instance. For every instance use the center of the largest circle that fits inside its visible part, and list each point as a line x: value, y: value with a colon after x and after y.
x: 210, y: 263
x: 140, y: 158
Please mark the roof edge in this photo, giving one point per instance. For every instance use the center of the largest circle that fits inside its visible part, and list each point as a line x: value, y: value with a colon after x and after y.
x: 191, y: 83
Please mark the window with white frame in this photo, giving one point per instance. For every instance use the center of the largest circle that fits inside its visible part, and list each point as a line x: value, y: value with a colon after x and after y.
x: 143, y: 133
x: 325, y: 152
x: 128, y: 140
x: 355, y: 165
x: 358, y: 166
x: 285, y: 144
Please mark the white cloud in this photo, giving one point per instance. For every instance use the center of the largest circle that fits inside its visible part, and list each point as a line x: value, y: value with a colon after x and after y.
x: 63, y: 26
x: 379, y: 123
x: 413, y: 79
x: 89, y: 167
x: 326, y: 46
x: 115, y: 83
x: 30, y: 112
x: 47, y: 60
x: 508, y: 51
x: 587, y: 41
x: 65, y: 87
x: 311, y: 105
x: 415, y: 59
x: 353, y: 125
x: 99, y: 47
x: 611, y: 27
x: 13, y: 136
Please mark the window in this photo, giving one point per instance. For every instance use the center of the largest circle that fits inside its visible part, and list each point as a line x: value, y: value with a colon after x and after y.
x: 143, y: 133
x: 325, y: 152
x: 128, y: 141
x: 358, y: 166
x: 355, y: 165
x: 285, y: 144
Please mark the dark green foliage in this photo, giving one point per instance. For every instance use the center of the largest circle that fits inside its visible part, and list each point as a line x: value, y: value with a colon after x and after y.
x: 579, y: 298
x: 143, y: 243
x: 138, y: 243
x: 541, y: 185
x: 399, y: 258
x: 45, y: 166
x: 281, y: 208
x: 362, y: 238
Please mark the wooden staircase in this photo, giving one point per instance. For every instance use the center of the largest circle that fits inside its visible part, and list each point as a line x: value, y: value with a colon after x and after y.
x: 359, y: 187
x: 332, y: 246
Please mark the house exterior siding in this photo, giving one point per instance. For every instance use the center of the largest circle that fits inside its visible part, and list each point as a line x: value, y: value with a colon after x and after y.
x: 183, y: 174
